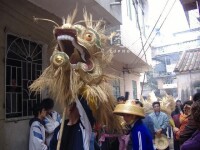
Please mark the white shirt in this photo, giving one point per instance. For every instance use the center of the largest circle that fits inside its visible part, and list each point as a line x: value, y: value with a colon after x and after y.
x: 37, y: 137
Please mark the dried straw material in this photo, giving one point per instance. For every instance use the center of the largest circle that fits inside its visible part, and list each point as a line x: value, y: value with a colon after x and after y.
x: 66, y: 81
x: 161, y: 142
x: 167, y: 104
x: 129, y: 108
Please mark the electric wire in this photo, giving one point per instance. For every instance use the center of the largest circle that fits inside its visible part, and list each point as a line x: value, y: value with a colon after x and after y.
x: 135, y: 62
x: 148, y: 36
x: 137, y: 20
x: 152, y: 31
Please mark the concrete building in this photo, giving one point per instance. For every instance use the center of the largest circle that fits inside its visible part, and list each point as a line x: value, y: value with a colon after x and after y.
x: 19, y: 30
x: 192, y: 11
x: 163, y: 72
x: 137, y: 59
x: 26, y: 47
x: 169, y: 51
x: 166, y: 57
x: 188, y: 74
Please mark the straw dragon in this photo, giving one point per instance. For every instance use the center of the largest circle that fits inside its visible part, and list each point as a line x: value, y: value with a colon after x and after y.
x: 77, y: 68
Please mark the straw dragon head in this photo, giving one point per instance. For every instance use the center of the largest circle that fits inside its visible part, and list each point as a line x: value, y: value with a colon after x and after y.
x: 78, y: 45
x: 77, y: 60
x: 77, y: 68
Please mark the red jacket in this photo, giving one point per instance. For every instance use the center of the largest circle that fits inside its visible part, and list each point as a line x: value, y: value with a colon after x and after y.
x: 183, y: 122
x: 189, y: 129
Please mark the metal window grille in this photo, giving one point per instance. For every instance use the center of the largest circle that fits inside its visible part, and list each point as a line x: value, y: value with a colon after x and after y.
x: 134, y: 85
x: 23, y: 65
x: 116, y: 88
x: 129, y: 9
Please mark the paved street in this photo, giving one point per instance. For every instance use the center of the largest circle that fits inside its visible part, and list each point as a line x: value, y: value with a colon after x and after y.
x: 171, y: 144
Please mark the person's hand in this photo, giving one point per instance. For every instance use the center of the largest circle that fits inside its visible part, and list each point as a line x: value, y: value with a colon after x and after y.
x: 180, y: 110
x: 158, y: 132
x: 95, y: 134
x: 175, y: 129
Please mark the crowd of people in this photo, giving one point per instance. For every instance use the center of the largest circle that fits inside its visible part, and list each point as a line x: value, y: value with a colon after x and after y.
x: 140, y: 131
x: 186, y: 118
x: 43, y: 125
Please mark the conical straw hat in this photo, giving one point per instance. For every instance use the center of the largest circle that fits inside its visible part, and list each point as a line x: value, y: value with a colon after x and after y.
x: 162, y: 142
x: 129, y: 108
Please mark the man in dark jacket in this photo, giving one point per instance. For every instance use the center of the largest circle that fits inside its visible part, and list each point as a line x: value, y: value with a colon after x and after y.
x: 77, y: 129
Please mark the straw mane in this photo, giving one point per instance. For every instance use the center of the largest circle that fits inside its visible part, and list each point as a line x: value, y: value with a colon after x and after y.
x: 77, y: 68
x: 167, y: 103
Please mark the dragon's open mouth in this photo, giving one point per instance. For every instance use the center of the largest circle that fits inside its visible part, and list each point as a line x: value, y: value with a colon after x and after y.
x: 67, y: 42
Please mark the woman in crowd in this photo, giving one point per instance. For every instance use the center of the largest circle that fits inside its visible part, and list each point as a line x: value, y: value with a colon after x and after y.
x: 183, y: 119
x: 191, y: 126
x: 194, y: 142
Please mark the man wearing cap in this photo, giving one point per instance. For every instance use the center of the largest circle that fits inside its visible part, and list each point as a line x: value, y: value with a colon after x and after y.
x: 140, y: 136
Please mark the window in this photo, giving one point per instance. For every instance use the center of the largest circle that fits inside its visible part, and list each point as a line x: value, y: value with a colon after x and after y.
x: 168, y: 61
x: 23, y: 65
x: 168, y: 80
x: 134, y: 84
x: 116, y: 88
x: 129, y: 8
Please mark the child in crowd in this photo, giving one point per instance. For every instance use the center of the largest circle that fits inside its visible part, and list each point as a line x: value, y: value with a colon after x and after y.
x: 37, y: 130
x: 52, y: 119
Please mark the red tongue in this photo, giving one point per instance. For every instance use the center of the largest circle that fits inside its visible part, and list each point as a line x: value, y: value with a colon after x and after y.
x: 89, y: 64
x: 75, y: 57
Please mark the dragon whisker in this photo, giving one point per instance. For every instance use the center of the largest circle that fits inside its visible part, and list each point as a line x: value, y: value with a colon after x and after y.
x: 36, y: 19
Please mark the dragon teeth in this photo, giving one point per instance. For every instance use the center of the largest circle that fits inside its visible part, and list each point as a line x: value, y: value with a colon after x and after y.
x: 65, y: 37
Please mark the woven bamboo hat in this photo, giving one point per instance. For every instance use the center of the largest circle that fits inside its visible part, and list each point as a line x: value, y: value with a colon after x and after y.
x: 162, y: 142
x: 129, y: 108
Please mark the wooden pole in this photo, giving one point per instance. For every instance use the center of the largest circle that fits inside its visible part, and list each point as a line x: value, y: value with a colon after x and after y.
x: 61, y: 129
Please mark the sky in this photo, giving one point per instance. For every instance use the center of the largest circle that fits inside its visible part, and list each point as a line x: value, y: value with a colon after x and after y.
x: 176, y: 20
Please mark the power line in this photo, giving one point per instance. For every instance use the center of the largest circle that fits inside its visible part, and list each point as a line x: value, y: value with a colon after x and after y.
x: 158, y: 31
x: 136, y: 11
x: 152, y: 30
x: 149, y: 34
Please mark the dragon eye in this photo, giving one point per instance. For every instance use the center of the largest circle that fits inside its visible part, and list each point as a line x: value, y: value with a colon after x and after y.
x: 88, y: 37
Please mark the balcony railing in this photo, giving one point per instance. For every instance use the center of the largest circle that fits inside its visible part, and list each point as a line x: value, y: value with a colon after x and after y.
x: 176, y: 47
x: 169, y: 86
x: 162, y: 75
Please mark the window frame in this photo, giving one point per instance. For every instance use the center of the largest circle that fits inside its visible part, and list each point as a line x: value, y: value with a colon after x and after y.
x: 29, y: 40
x: 116, y: 88
x: 134, y: 86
